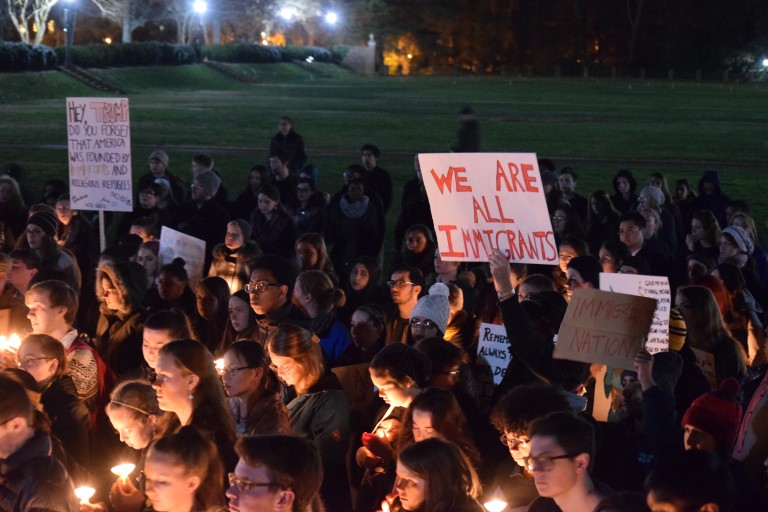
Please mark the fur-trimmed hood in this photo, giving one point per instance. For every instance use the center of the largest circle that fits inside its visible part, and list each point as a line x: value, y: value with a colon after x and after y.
x: 130, y: 280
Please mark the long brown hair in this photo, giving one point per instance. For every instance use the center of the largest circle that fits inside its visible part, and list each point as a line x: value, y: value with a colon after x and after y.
x: 304, y: 348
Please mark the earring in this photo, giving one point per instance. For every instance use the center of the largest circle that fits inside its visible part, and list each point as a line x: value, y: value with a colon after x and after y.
x: 191, y: 396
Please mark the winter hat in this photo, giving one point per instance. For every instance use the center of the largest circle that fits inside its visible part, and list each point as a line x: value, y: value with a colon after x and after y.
x: 549, y: 178
x: 45, y: 221
x: 208, y: 181
x: 654, y: 193
x: 677, y: 330
x: 667, y: 367
x: 717, y: 413
x: 161, y: 155
x: 589, y: 268
x: 245, y: 228
x: 434, y: 306
x: 741, y: 237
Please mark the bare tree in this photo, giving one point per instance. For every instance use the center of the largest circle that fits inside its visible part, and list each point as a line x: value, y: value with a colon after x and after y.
x: 22, y: 12
x: 131, y: 14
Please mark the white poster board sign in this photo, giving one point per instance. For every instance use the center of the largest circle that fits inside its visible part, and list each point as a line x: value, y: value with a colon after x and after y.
x: 99, y: 141
x: 175, y: 244
x: 492, y: 352
x: 483, y: 201
x: 654, y: 287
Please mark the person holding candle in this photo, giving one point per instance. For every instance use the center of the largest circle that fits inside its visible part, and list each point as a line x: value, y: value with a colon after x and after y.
x: 234, y: 258
x: 320, y: 411
x: 435, y: 476
x: 184, y: 473
x: 43, y: 357
x: 30, y: 474
x: 254, y: 390
x: 188, y: 386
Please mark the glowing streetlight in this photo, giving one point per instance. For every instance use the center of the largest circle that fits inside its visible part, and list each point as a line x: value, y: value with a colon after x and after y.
x: 765, y: 63
x: 200, y: 7
x: 331, y: 18
x: 69, y: 29
x: 287, y: 13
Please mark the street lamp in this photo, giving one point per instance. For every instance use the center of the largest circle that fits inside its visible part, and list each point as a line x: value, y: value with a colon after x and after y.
x: 69, y: 32
x: 331, y: 18
x: 201, y: 7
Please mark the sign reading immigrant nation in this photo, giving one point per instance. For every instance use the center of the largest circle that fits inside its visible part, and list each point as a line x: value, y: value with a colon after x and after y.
x: 99, y: 141
x: 655, y: 287
x: 604, y: 327
x: 483, y: 201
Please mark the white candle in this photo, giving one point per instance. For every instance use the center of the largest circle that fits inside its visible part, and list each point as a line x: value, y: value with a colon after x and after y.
x: 123, y: 470
x: 84, y: 494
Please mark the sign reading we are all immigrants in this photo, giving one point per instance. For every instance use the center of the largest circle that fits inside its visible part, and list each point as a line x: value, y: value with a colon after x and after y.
x: 484, y: 201
x: 99, y: 141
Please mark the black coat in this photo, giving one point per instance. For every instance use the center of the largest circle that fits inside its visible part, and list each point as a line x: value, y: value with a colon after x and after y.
x: 69, y: 420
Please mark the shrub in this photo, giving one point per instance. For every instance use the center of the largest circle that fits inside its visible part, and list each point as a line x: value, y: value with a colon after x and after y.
x: 302, y: 52
x: 129, y: 54
x: 25, y: 57
x: 242, y: 53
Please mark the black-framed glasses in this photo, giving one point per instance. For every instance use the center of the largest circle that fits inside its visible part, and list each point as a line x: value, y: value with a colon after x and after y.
x: 29, y: 361
x: 545, y: 462
x: 510, y: 440
x: 245, y: 485
x: 399, y: 283
x: 230, y: 372
x: 258, y: 287
x: 425, y: 323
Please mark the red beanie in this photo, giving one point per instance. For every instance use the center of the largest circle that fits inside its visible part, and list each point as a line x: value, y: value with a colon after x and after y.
x: 717, y: 413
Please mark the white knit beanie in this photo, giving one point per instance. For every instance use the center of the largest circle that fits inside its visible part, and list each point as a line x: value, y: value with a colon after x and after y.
x: 434, y: 306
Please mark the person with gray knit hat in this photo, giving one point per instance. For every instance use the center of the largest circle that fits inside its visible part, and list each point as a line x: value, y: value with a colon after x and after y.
x: 159, y: 169
x: 654, y: 193
x: 739, y: 237
x: 429, y: 317
x: 207, y: 182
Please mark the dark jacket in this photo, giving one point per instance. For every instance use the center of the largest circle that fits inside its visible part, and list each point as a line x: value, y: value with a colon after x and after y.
x: 293, y: 143
x: 208, y: 222
x: 31, y: 479
x: 118, y: 339
x: 276, y: 235
x: 717, y: 202
x: 287, y: 314
x: 178, y: 185
x: 69, y: 420
x: 268, y: 415
x: 414, y: 209
x: 351, y: 238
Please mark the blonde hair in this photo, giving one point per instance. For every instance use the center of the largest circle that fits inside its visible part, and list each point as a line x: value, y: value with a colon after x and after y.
x: 304, y: 348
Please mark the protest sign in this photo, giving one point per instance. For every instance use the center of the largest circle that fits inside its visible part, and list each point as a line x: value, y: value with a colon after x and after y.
x: 174, y: 244
x: 654, y: 287
x: 604, y: 327
x: 483, y: 201
x: 99, y: 141
x: 706, y: 363
x: 356, y: 382
x: 492, y: 352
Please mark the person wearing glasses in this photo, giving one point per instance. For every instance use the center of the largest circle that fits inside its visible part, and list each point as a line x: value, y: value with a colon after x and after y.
x: 652, y: 250
x: 183, y: 473
x: 270, y: 290
x: 254, y: 391
x: 276, y: 473
x: 320, y: 410
x: 405, y: 285
x: 429, y: 317
x: 30, y: 475
x: 512, y: 416
x: 44, y: 359
x: 562, y: 448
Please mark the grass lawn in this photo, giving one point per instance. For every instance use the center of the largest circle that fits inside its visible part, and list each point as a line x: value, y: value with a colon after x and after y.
x: 595, y: 125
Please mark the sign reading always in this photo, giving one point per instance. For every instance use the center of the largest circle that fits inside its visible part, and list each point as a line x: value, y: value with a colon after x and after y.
x: 655, y: 287
x: 604, y: 327
x: 483, y: 201
x: 99, y: 140
x: 492, y: 353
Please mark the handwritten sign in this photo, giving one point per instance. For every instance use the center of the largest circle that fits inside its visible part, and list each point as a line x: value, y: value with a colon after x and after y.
x: 175, y: 244
x: 492, y: 353
x: 483, y: 201
x: 654, y: 287
x: 99, y: 140
x: 356, y: 382
x: 604, y: 327
x: 706, y: 363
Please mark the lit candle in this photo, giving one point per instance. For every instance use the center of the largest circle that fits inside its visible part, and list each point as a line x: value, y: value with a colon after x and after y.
x: 84, y: 494
x: 123, y: 470
x: 219, y: 365
x: 497, y: 503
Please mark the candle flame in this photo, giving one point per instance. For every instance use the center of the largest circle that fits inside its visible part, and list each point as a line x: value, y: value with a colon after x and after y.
x: 495, y: 505
x: 123, y: 470
x: 84, y: 494
x: 219, y: 365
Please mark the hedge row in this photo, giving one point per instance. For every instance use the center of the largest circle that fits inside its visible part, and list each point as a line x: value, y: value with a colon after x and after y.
x: 128, y: 54
x: 25, y: 57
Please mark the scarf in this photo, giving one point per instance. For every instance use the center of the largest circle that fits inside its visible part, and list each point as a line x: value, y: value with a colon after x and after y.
x: 354, y: 210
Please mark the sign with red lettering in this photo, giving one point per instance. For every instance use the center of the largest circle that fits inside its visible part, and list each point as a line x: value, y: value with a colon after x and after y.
x: 483, y: 201
x: 604, y: 327
x: 99, y: 140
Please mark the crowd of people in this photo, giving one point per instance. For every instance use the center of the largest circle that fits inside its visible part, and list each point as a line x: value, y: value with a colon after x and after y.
x: 233, y: 391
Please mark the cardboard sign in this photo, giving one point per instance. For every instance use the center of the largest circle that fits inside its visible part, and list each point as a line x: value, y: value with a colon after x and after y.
x: 356, y: 383
x: 174, y: 244
x: 654, y: 287
x: 99, y: 141
x: 604, y: 327
x: 492, y: 353
x: 706, y: 363
x: 483, y: 201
